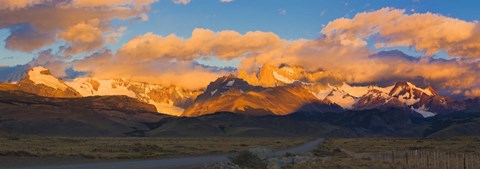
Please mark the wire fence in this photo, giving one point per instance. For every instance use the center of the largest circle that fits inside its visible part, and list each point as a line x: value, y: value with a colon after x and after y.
x: 426, y: 159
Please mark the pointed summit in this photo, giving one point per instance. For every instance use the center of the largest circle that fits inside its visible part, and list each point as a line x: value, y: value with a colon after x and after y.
x: 41, y: 75
x: 40, y: 81
x: 272, y: 76
x: 224, y: 84
x: 409, y: 90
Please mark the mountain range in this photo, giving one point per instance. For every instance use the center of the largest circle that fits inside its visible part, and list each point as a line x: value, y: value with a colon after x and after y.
x: 272, y: 91
x: 276, y: 101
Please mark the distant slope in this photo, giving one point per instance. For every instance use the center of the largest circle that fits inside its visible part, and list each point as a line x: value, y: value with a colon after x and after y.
x: 27, y: 113
x: 91, y: 116
x: 238, y: 125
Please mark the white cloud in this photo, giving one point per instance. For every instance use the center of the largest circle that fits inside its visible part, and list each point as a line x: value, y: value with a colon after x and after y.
x: 282, y: 11
x: 183, y: 2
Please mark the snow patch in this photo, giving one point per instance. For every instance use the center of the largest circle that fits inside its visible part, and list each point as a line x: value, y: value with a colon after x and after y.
x: 408, y: 99
x: 230, y: 83
x: 288, y: 70
x: 384, y: 89
x: 322, y: 94
x: 342, y: 98
x: 282, y: 78
x: 426, y: 91
x: 167, y: 108
x: 85, y: 88
x: 424, y: 112
x: 357, y: 91
x: 213, y: 92
x: 37, y: 77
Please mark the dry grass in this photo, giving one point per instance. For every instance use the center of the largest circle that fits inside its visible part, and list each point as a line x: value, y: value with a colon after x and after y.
x: 133, y: 148
x: 448, y: 145
x: 344, y: 162
x: 337, y: 153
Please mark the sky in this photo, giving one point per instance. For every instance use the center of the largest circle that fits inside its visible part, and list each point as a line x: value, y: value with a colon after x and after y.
x: 154, y: 36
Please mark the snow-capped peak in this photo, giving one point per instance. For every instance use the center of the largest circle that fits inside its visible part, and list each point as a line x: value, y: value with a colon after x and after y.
x: 410, y: 94
x: 426, y: 91
x: 41, y: 75
x: 342, y: 98
x: 402, y: 94
x: 168, y: 100
x: 408, y: 87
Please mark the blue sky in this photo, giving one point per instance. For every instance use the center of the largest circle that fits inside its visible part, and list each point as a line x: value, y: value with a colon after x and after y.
x: 290, y: 19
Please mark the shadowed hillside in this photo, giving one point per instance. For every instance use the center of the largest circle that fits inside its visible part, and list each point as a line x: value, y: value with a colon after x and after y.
x: 90, y: 116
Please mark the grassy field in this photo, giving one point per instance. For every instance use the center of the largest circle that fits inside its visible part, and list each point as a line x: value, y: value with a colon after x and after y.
x: 340, y: 153
x: 133, y: 148
x: 367, y: 145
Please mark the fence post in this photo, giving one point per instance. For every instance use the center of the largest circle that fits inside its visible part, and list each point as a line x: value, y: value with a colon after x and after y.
x: 444, y: 161
x: 406, y: 159
x: 415, y: 159
x: 456, y: 159
x: 428, y: 160
x: 447, y: 161
x: 423, y: 159
x: 393, y: 156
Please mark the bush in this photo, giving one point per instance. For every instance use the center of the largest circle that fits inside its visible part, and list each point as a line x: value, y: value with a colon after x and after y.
x: 248, y: 160
x: 325, y: 151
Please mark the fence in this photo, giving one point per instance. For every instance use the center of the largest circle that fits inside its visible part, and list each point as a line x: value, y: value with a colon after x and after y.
x: 426, y: 159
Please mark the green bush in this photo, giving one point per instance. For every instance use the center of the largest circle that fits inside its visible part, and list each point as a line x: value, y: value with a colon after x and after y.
x: 248, y: 160
x: 325, y: 151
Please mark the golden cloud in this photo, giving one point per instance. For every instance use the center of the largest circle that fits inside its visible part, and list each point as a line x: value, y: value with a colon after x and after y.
x: 183, y: 73
x: 342, y: 51
x: 18, y: 4
x: 168, y: 60
x: 427, y: 32
x: 206, y: 43
x: 47, y: 21
x: 83, y: 37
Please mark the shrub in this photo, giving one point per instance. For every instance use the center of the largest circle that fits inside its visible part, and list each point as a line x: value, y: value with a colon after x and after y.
x: 248, y: 160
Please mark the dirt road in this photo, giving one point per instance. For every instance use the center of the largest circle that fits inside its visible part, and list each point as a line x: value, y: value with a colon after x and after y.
x: 184, y: 162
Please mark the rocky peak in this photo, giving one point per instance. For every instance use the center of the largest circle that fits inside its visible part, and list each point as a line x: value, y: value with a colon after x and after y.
x: 432, y: 90
x: 403, y: 88
x: 40, y: 81
x: 271, y: 76
x: 226, y: 83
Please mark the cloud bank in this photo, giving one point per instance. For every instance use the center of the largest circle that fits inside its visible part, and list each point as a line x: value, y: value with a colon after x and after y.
x: 171, y: 60
x: 427, y: 32
x: 82, y: 24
